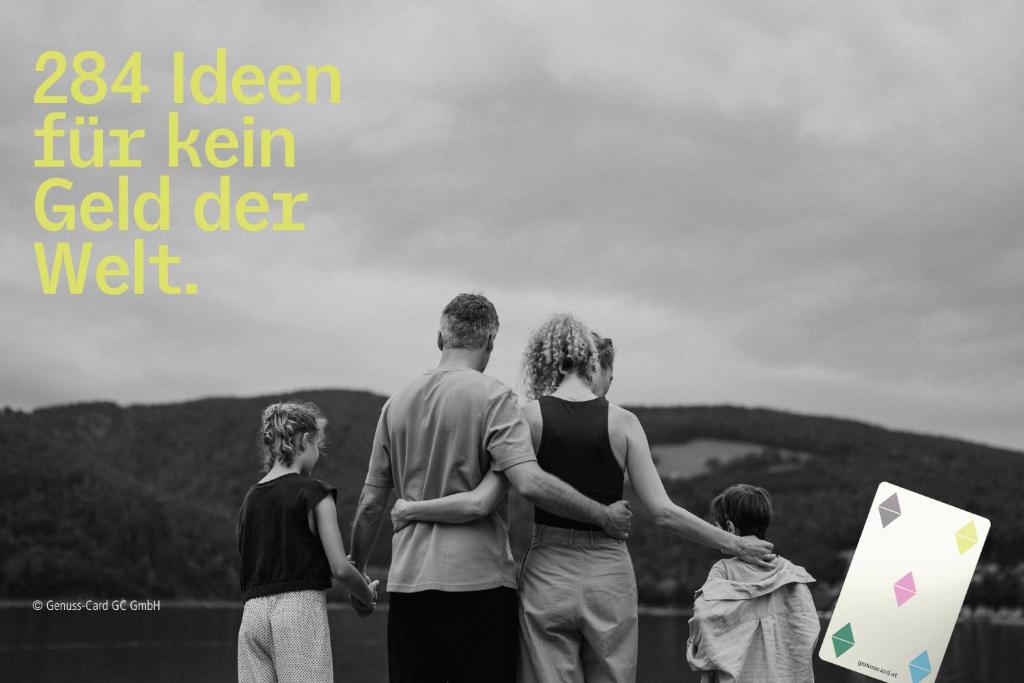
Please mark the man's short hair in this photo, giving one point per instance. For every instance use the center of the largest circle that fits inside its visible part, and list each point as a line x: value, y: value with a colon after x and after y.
x: 468, y: 321
x: 748, y: 507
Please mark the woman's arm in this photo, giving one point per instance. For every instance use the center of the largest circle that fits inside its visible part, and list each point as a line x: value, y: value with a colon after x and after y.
x: 456, y: 508
x: 347, y: 575
x: 628, y: 433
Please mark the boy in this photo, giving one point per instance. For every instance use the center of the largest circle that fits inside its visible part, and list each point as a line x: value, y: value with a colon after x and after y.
x: 749, y: 623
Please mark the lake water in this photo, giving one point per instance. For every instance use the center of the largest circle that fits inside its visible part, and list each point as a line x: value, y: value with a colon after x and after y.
x: 685, y: 460
x: 197, y: 644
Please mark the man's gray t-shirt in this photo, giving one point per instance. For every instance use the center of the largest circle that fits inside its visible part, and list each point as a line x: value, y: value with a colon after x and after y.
x: 437, y: 436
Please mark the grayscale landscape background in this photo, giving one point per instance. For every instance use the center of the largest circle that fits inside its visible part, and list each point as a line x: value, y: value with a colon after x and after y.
x: 800, y: 223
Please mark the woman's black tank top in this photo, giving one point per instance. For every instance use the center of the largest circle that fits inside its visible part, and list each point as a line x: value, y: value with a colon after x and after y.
x: 574, y: 446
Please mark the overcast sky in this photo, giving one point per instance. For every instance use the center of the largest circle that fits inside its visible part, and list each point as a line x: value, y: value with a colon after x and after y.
x: 801, y: 205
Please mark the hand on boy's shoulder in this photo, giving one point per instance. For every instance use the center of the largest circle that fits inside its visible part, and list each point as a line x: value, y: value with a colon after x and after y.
x: 734, y: 569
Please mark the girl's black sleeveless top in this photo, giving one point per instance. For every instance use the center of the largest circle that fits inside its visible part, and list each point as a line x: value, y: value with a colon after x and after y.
x: 574, y: 446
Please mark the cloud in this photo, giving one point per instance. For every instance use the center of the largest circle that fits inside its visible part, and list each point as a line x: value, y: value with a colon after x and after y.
x: 805, y: 206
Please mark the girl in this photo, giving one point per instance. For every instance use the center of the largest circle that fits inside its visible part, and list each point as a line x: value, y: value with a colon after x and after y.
x: 578, y: 606
x: 290, y: 547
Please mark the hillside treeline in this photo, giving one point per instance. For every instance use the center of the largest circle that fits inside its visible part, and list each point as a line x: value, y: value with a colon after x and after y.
x: 141, y: 501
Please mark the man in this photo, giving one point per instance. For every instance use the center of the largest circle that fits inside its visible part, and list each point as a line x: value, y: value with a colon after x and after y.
x: 453, y: 613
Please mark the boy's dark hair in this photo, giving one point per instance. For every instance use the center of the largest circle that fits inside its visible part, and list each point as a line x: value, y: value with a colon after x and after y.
x: 748, y: 507
x: 468, y: 321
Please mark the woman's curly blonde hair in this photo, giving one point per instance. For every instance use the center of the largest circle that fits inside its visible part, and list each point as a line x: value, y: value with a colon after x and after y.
x: 561, y: 344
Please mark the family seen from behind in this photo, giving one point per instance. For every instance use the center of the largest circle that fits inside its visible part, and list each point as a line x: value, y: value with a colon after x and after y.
x: 450, y: 444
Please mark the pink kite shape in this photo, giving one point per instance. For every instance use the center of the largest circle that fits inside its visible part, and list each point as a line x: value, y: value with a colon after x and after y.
x: 905, y: 589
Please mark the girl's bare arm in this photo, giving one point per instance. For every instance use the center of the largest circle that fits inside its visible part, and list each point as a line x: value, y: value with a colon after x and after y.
x: 326, y: 517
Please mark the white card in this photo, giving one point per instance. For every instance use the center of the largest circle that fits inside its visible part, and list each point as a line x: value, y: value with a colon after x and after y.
x: 905, y: 587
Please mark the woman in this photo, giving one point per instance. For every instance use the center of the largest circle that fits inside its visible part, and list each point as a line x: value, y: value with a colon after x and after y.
x: 578, y: 607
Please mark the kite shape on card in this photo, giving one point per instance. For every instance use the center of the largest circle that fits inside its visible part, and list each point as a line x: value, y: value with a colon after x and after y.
x: 905, y: 589
x: 920, y: 667
x: 842, y: 640
x: 889, y: 510
x: 966, y: 537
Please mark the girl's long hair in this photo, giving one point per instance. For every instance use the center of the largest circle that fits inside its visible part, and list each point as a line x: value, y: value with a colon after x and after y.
x: 283, y: 427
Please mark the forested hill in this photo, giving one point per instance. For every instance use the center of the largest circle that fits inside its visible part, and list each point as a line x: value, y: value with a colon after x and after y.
x: 821, y: 501
x: 141, y: 501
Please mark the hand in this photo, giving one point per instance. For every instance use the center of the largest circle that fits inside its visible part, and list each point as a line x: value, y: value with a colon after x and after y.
x: 372, y: 585
x: 398, y: 519
x: 617, y: 520
x: 757, y: 552
x: 365, y: 608
x: 362, y: 609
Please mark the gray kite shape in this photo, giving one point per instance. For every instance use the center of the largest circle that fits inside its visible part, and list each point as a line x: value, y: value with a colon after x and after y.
x: 889, y: 509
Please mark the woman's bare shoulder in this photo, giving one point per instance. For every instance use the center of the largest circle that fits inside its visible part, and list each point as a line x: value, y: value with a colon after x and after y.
x: 621, y: 418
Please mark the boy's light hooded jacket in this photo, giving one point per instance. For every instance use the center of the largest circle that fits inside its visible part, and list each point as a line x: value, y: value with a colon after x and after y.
x: 753, y: 624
